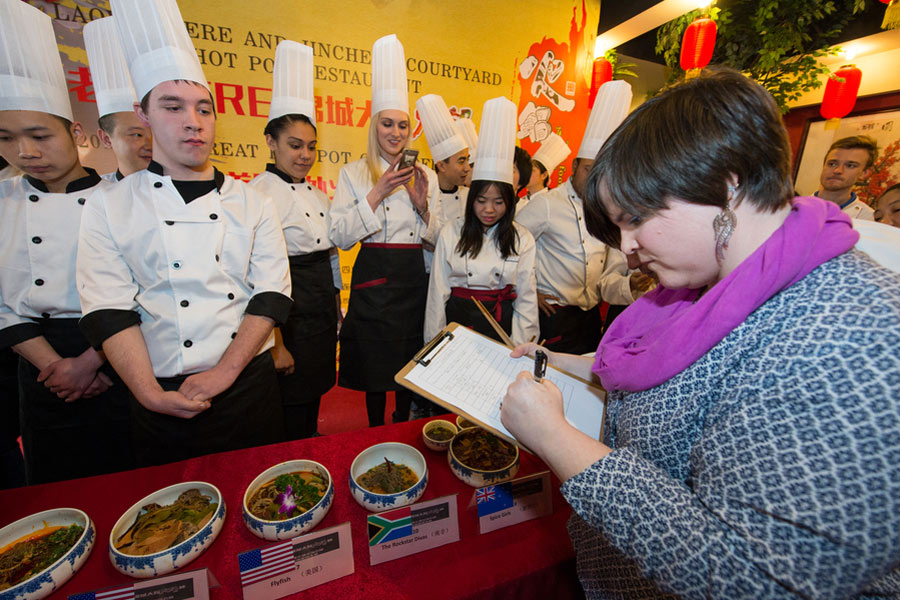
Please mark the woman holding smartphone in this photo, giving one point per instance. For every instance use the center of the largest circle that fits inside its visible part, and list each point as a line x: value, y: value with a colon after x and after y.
x: 387, y: 208
x: 486, y: 256
x: 306, y: 346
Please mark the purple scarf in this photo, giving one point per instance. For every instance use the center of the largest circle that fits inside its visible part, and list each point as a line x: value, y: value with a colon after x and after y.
x: 666, y: 331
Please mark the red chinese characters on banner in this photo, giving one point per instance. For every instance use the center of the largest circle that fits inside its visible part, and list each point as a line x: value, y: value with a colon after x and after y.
x: 555, y: 93
x: 79, y: 81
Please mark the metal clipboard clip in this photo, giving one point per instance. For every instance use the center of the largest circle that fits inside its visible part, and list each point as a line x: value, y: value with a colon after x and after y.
x: 432, y: 348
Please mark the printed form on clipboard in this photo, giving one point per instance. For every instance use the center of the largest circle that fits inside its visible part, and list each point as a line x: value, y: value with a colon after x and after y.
x: 468, y: 374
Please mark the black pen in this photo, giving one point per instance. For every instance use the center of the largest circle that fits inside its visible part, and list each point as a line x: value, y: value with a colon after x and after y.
x: 540, y: 365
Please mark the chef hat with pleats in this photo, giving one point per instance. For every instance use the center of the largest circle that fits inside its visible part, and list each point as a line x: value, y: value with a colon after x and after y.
x: 496, y: 142
x: 389, y: 87
x: 444, y: 140
x: 31, y: 71
x: 553, y: 151
x: 610, y: 109
x: 466, y: 128
x: 292, y: 82
x: 156, y: 43
x: 109, y: 71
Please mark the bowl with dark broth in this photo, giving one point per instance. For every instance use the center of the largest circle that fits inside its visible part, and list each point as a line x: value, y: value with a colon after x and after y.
x: 41, y: 552
x: 388, y: 475
x: 437, y: 434
x: 167, y: 529
x: 288, y: 499
x: 480, y: 458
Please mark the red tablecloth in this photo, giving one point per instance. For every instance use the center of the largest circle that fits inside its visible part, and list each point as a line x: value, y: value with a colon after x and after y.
x: 529, y: 560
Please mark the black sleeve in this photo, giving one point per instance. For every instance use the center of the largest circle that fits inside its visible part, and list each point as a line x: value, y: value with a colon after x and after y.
x: 16, y: 334
x: 274, y: 305
x: 100, y: 325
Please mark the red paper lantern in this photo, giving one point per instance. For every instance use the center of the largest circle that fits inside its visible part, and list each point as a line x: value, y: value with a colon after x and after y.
x: 601, y: 74
x: 840, y: 96
x: 698, y: 43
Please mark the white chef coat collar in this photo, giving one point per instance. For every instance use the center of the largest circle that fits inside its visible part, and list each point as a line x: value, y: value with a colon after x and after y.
x: 451, y: 190
x: 82, y: 183
x: 284, y: 176
x: 218, y: 177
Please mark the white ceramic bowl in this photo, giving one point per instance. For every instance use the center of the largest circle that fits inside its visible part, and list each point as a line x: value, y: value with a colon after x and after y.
x: 48, y: 581
x: 289, y: 528
x: 476, y: 477
x: 395, y: 452
x: 433, y: 444
x: 160, y: 563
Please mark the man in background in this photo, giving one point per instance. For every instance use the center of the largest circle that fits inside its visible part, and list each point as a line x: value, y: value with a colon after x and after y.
x: 849, y: 160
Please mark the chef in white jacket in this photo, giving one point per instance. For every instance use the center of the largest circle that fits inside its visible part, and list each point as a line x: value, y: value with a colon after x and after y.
x: 120, y: 130
x: 73, y: 410
x: 575, y: 271
x: 485, y: 256
x: 391, y: 210
x: 182, y: 271
x: 305, y: 350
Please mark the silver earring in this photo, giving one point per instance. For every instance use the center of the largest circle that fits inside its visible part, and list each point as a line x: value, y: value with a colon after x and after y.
x: 723, y: 226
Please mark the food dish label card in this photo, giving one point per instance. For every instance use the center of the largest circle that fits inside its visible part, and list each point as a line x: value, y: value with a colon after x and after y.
x: 190, y: 585
x: 516, y: 501
x: 297, y: 564
x: 411, y: 529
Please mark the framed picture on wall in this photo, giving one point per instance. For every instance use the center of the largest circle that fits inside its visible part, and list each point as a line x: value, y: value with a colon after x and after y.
x: 883, y: 125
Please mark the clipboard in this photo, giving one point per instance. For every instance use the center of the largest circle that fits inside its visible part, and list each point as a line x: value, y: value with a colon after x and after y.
x: 468, y: 373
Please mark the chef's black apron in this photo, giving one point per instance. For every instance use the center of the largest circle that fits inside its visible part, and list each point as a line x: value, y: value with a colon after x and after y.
x: 12, y: 465
x: 65, y: 440
x: 310, y: 335
x: 246, y: 414
x: 461, y: 309
x: 572, y: 330
x: 385, y: 316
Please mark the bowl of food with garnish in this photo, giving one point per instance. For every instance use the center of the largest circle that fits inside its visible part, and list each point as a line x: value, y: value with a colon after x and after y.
x: 437, y: 434
x: 388, y: 475
x: 167, y: 529
x: 288, y: 499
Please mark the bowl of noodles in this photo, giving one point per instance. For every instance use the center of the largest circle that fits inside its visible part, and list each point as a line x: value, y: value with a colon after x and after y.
x: 480, y: 458
x: 41, y: 552
x: 388, y: 475
x: 288, y: 499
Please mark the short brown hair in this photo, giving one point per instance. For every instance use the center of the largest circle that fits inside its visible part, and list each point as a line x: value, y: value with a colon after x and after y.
x: 857, y: 142
x: 145, y: 101
x: 686, y: 143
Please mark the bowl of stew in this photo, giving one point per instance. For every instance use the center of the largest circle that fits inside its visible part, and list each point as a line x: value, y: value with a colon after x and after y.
x: 437, y: 434
x: 480, y: 458
x: 388, y: 475
x: 41, y: 552
x: 288, y: 499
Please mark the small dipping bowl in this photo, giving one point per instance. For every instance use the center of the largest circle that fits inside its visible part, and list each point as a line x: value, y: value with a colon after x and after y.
x: 464, y: 423
x: 396, y: 453
x: 166, y: 561
x: 289, y: 528
x: 435, y: 444
x: 46, y: 582
x: 477, y: 477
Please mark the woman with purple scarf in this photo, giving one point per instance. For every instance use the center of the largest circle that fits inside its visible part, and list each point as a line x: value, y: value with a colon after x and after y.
x: 752, y: 437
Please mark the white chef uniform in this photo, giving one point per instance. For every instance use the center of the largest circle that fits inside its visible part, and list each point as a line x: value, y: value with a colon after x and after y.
x: 394, y: 221
x: 187, y: 272
x: 453, y: 204
x: 572, y: 264
x: 488, y: 271
x: 303, y: 210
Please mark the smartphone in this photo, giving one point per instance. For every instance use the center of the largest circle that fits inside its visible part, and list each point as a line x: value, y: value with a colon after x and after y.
x: 409, y: 158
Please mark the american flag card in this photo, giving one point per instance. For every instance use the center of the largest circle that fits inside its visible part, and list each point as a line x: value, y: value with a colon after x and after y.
x: 186, y: 585
x: 265, y: 563
x: 123, y: 592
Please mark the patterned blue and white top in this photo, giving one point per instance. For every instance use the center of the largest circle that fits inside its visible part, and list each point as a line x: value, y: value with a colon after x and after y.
x: 768, y: 469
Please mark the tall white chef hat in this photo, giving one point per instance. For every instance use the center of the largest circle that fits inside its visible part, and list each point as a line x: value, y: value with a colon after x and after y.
x: 31, y: 71
x: 553, y: 151
x: 444, y: 140
x: 156, y: 43
x: 610, y: 109
x: 389, y: 88
x: 466, y: 128
x: 497, y: 141
x: 109, y: 71
x: 292, y: 81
